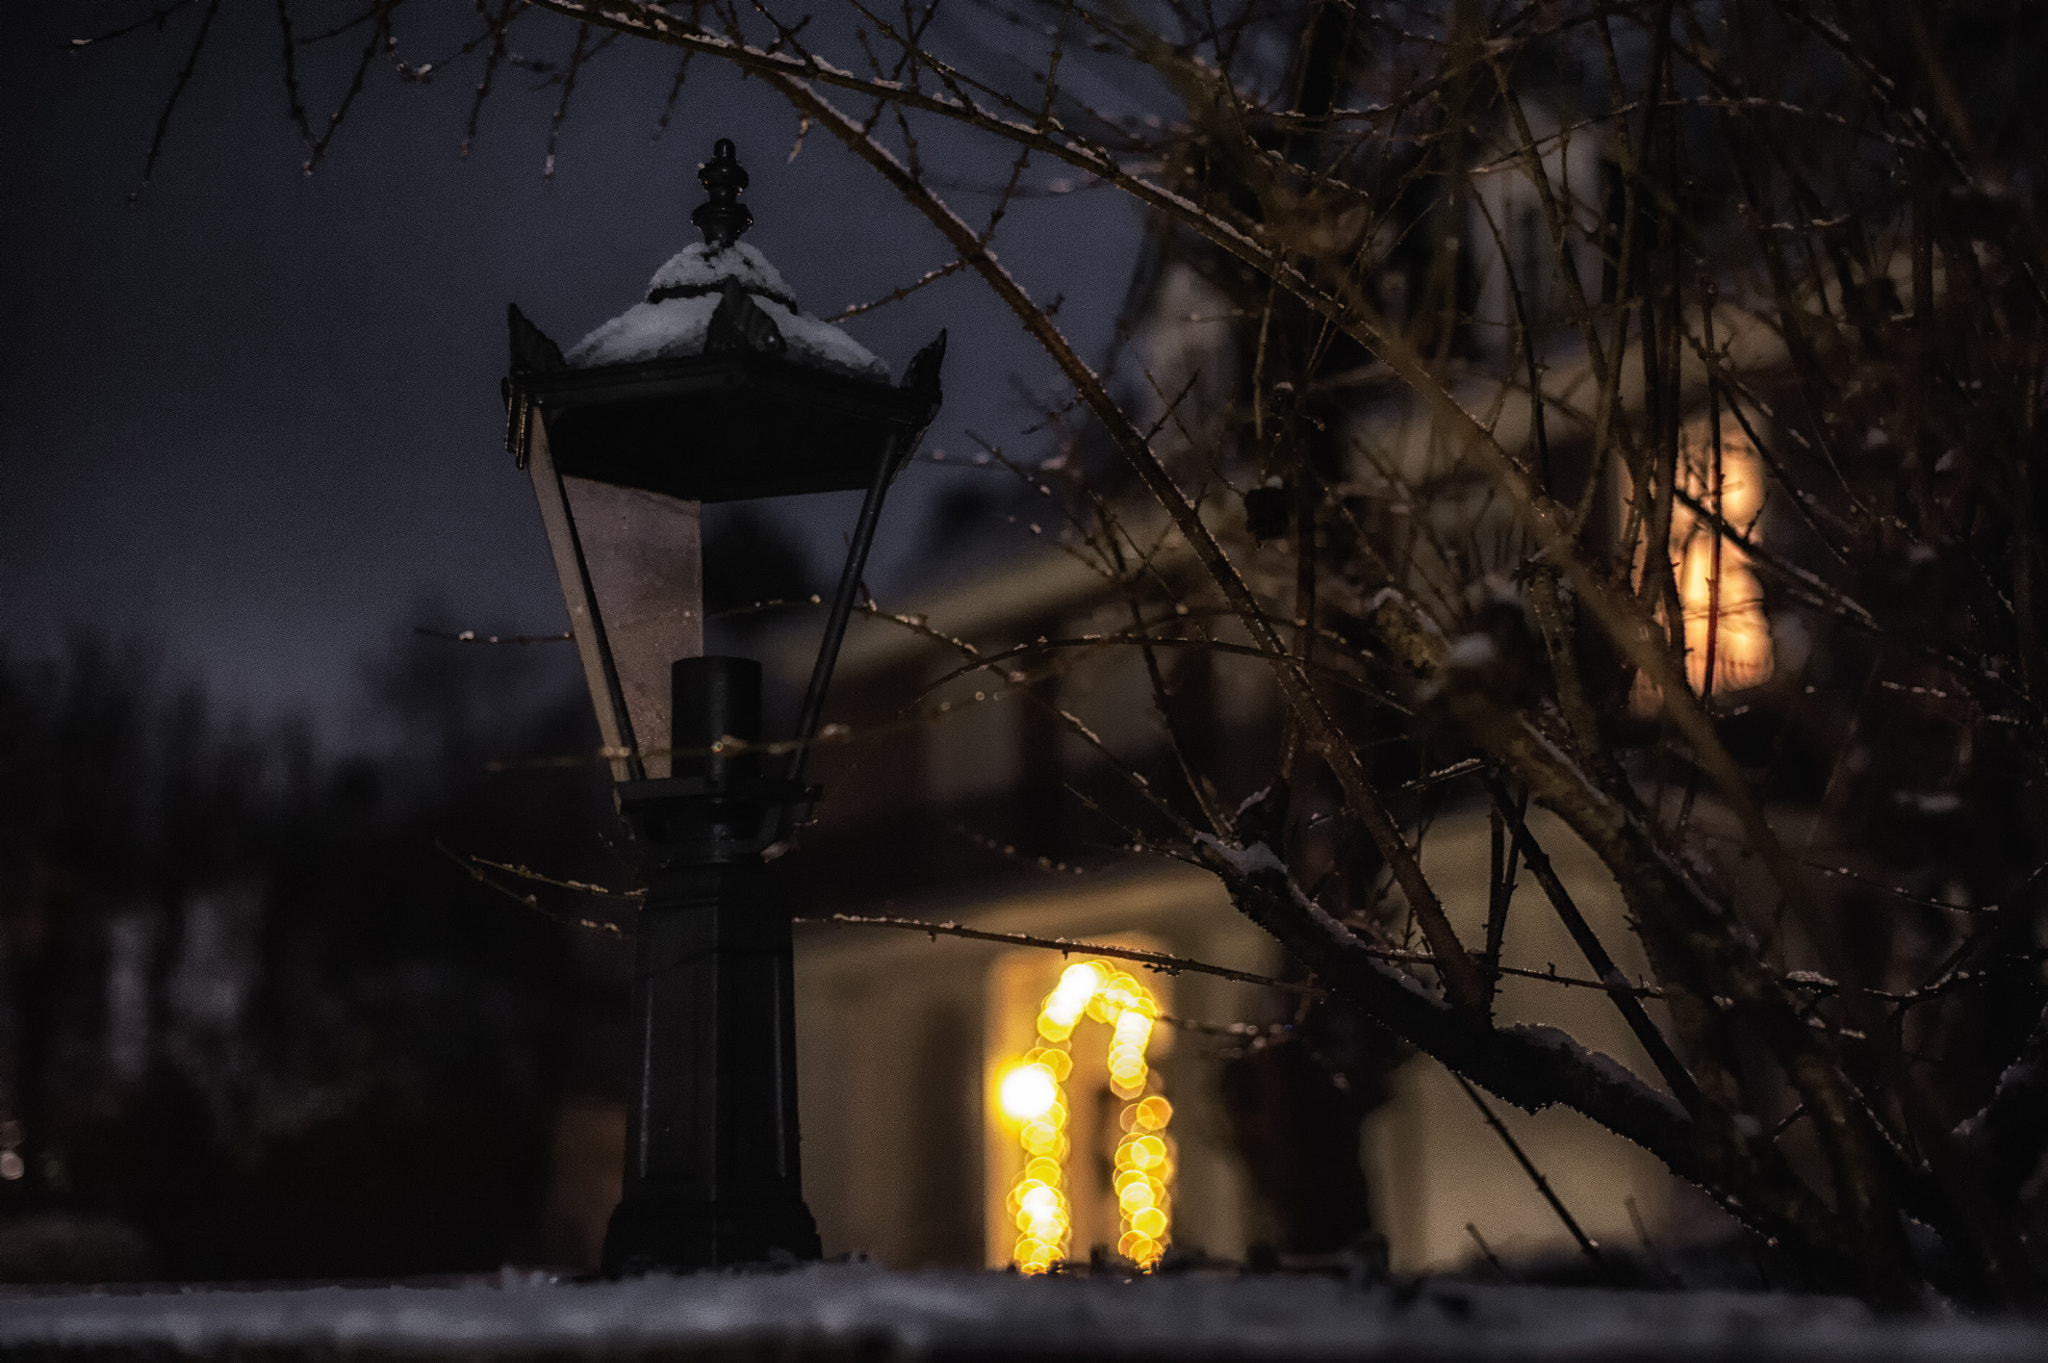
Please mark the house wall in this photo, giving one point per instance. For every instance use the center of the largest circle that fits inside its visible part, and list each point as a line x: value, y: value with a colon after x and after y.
x: 899, y: 1037
x: 897, y: 1047
x: 1431, y: 1160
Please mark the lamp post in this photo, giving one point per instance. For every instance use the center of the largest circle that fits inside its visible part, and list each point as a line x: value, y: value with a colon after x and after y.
x: 714, y: 388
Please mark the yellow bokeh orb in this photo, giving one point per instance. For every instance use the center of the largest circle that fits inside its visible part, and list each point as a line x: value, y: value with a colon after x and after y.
x: 1053, y: 1058
x: 1040, y: 1137
x: 1027, y: 1092
x: 1039, y: 1201
x: 1033, y: 1256
x: 1063, y: 1009
x: 1141, y: 1249
x: 1153, y: 1114
x: 1082, y: 978
x: 1149, y: 1221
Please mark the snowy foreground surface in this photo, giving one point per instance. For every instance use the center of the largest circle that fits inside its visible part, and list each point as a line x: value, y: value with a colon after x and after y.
x: 851, y: 1312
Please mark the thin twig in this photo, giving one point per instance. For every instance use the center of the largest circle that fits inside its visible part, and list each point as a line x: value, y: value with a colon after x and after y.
x: 470, y: 636
x: 157, y: 16
x: 355, y: 85
x: 498, y: 27
x: 577, y: 57
x: 1486, y: 1251
x: 580, y: 886
x: 1650, y: 1250
x: 296, y: 105
x: 474, y: 865
x: 1067, y: 946
x: 1683, y: 1086
x: 1009, y: 852
x: 898, y: 295
x: 1252, y: 1030
x: 163, y: 122
x: 1896, y: 892
x: 1421, y: 958
x: 1587, y: 1245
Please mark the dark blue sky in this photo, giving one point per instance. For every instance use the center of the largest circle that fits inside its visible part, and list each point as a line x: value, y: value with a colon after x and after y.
x: 253, y: 416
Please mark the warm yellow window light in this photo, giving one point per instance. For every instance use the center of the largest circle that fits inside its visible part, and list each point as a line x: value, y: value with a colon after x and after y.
x: 1032, y: 1100
x: 1718, y: 592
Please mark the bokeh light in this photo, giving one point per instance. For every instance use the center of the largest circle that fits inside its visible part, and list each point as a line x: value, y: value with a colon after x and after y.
x: 1028, y: 1091
x: 1031, y: 1094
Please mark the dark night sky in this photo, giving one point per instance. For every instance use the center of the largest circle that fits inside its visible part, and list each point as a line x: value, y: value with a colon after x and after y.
x: 254, y: 417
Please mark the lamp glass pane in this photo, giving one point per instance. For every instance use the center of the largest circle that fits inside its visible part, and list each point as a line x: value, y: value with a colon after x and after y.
x: 644, y: 552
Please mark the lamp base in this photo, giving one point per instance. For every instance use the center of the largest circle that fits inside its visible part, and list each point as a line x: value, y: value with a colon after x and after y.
x: 655, y: 1234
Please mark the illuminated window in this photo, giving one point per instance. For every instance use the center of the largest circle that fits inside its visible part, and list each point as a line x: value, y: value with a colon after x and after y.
x: 1081, y: 1125
x: 1718, y: 592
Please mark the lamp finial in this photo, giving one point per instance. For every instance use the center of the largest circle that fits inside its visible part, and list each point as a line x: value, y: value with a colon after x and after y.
x: 722, y: 217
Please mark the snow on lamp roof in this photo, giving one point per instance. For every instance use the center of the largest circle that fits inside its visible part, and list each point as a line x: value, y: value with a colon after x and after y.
x: 723, y: 295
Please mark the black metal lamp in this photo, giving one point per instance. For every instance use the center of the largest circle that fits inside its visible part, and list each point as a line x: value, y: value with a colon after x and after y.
x: 714, y: 388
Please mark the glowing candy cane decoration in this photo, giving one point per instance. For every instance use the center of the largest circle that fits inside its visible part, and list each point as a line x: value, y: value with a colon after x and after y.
x: 1032, y: 1095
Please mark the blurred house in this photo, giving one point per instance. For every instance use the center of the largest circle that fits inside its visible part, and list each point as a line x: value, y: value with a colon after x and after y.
x: 906, y: 1041
x: 988, y: 799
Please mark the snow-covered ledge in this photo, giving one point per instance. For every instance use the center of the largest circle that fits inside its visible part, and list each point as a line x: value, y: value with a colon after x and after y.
x: 849, y: 1311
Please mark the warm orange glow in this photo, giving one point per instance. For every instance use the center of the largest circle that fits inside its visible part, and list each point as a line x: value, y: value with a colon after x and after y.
x: 1030, y: 1094
x: 1728, y: 622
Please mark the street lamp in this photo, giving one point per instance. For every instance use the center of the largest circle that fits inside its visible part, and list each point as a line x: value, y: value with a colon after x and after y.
x: 714, y: 388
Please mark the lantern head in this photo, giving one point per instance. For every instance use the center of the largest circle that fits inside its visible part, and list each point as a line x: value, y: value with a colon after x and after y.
x: 714, y: 387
